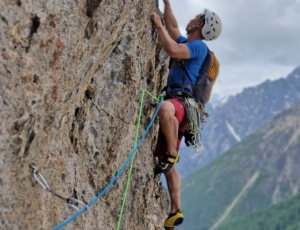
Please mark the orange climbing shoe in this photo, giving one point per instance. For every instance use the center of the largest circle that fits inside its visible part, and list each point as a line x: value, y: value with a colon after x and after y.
x: 173, y: 220
x: 166, y: 163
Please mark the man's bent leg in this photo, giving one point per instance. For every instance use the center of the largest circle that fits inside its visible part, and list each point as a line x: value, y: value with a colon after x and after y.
x: 169, y: 126
x: 171, y: 114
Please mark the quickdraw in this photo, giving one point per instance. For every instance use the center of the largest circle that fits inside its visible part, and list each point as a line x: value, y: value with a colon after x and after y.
x: 43, y: 183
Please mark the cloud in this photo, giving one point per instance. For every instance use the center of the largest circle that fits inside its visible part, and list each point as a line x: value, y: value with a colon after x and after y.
x: 260, y: 38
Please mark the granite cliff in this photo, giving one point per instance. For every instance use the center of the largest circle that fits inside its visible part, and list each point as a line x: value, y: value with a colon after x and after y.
x: 71, y: 74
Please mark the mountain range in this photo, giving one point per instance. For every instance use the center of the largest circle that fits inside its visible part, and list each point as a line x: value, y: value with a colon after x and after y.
x: 260, y: 171
x: 240, y: 115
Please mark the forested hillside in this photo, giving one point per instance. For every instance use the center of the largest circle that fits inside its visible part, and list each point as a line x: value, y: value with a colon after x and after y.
x: 283, y: 216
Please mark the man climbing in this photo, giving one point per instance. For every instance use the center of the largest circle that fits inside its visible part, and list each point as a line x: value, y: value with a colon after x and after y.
x: 172, y: 114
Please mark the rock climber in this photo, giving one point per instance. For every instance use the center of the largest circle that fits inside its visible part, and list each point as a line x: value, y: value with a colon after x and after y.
x: 172, y: 114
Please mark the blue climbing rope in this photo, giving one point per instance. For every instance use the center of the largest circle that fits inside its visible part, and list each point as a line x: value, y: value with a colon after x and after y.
x: 116, y: 177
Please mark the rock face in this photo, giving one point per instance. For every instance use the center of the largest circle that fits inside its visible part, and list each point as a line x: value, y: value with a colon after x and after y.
x: 71, y: 74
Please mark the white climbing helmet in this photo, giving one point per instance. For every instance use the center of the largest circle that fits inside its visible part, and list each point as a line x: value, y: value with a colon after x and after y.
x: 212, y: 26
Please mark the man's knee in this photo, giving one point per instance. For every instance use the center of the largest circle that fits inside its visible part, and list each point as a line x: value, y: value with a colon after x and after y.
x: 166, y: 109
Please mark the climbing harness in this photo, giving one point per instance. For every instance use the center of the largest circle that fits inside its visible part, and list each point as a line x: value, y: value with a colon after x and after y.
x: 121, y: 169
x: 43, y: 183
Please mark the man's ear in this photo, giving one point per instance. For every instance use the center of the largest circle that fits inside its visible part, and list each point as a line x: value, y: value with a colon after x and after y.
x: 200, y: 24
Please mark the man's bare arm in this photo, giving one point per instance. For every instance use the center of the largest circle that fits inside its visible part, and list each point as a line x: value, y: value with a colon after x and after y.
x: 173, y: 49
x: 171, y: 22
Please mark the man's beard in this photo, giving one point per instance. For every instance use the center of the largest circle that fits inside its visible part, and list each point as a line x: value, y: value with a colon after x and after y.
x: 189, y: 29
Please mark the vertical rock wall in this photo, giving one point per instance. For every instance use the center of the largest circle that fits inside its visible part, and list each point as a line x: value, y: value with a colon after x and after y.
x: 71, y: 74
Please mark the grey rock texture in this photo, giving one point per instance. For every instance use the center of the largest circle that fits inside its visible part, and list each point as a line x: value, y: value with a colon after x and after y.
x: 71, y: 74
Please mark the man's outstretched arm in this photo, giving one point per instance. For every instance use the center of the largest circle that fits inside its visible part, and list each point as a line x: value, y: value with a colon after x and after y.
x: 171, y: 22
x: 173, y: 49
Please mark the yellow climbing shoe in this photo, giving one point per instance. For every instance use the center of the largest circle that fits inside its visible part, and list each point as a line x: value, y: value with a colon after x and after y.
x: 173, y: 220
x: 166, y: 163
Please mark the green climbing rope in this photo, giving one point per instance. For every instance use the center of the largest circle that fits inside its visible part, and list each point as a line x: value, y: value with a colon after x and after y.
x: 160, y: 97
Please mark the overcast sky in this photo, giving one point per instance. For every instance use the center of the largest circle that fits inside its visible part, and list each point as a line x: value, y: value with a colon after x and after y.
x: 260, y: 39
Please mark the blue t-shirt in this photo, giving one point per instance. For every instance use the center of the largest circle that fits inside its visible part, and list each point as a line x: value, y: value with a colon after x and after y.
x: 198, y: 51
